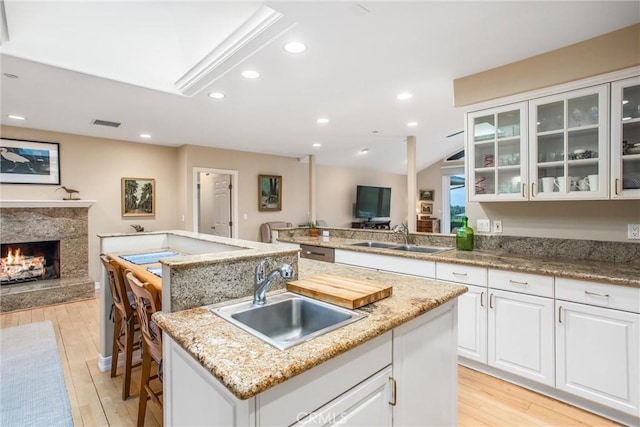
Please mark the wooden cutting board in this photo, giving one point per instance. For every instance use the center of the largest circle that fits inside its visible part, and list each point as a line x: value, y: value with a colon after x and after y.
x: 342, y: 291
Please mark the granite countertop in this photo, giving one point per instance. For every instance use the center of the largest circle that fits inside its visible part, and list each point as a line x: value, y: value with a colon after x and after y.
x: 247, y: 366
x: 605, y: 272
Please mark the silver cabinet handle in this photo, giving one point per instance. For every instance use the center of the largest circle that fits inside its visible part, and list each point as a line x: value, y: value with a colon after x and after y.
x: 616, y: 185
x: 459, y: 274
x: 394, y: 389
x: 533, y: 194
x: 490, y: 300
x: 560, y: 314
x: 515, y: 282
x: 482, y: 299
x: 315, y: 253
x: 595, y: 294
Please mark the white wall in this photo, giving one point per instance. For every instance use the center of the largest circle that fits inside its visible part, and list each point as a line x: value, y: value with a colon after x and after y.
x: 336, y: 193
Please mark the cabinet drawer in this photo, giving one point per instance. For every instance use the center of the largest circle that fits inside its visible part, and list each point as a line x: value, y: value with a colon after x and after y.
x: 460, y: 273
x: 525, y: 283
x: 625, y: 298
x: 318, y: 253
x: 394, y: 264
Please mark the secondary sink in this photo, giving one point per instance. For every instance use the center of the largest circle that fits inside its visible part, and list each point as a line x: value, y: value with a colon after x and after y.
x: 287, y: 319
x: 375, y: 245
x: 421, y: 249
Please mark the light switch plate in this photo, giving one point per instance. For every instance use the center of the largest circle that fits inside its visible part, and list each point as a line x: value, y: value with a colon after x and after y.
x: 633, y: 231
x: 497, y: 226
x: 483, y: 225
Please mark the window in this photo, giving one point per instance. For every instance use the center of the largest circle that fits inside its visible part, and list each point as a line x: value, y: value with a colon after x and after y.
x: 453, y: 193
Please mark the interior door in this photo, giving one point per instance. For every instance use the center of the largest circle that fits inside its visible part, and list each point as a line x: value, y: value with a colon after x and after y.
x: 222, y: 205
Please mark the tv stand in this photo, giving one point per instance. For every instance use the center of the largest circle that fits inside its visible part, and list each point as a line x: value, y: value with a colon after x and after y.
x: 378, y: 225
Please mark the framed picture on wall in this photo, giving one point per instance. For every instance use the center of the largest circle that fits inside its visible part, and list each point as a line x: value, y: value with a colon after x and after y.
x: 426, y: 195
x: 426, y: 208
x: 269, y: 193
x: 29, y: 162
x: 138, y: 197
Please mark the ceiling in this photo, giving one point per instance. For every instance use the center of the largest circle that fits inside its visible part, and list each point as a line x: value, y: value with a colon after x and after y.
x: 78, y: 61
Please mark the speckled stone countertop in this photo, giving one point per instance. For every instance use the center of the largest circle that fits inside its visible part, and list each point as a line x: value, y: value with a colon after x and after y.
x: 599, y: 271
x: 247, y: 366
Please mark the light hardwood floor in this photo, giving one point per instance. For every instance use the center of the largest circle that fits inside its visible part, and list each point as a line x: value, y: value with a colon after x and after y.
x: 96, y: 397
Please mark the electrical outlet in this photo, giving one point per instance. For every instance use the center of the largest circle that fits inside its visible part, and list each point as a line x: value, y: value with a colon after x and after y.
x: 483, y: 225
x: 633, y: 231
x: 497, y: 226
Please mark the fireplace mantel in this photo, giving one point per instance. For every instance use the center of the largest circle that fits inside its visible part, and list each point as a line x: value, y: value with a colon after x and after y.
x: 46, y: 203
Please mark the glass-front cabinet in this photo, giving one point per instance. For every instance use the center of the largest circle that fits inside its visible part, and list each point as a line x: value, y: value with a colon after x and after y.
x: 498, y: 153
x: 625, y: 139
x: 568, y: 145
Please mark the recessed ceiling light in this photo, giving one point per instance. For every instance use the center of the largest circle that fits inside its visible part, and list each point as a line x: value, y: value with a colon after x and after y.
x: 14, y: 117
x: 145, y: 135
x: 250, y: 74
x: 216, y: 95
x: 322, y: 120
x: 364, y: 151
x: 374, y: 131
x: 295, y: 47
x: 317, y: 145
x: 412, y: 124
x: 9, y: 75
x: 404, y: 96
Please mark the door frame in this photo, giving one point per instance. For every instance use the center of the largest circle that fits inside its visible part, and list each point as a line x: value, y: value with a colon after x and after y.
x: 234, y: 197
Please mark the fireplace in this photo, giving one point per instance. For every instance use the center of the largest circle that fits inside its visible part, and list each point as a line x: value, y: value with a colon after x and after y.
x: 44, y: 251
x: 29, y: 261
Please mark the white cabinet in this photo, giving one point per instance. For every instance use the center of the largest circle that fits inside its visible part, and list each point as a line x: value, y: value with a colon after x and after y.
x: 625, y: 139
x: 472, y: 324
x: 568, y: 145
x: 407, y: 376
x: 598, y: 343
x: 472, y: 308
x: 521, y: 335
x: 425, y: 369
x: 393, y: 264
x: 367, y: 404
x: 497, y: 153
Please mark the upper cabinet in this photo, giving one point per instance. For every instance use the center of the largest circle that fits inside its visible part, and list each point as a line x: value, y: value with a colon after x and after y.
x: 568, y: 145
x: 498, y: 150
x: 578, y: 141
x: 625, y: 139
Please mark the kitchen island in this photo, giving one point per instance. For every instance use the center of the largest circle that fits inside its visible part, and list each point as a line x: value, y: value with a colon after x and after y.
x: 396, y: 365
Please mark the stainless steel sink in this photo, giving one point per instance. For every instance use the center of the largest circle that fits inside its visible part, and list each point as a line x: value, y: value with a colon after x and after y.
x: 287, y: 319
x: 421, y: 249
x: 375, y: 245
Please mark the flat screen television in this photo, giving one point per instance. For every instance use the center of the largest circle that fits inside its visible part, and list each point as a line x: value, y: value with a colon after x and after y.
x: 373, y: 202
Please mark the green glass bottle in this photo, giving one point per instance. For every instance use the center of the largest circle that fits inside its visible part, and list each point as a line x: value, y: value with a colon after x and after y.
x: 464, y: 236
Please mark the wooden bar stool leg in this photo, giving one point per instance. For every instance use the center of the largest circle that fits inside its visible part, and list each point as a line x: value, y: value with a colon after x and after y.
x: 116, y: 344
x: 144, y: 379
x: 128, y: 360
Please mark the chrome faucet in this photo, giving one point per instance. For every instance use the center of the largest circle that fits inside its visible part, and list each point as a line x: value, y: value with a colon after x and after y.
x: 263, y: 281
x: 404, y: 230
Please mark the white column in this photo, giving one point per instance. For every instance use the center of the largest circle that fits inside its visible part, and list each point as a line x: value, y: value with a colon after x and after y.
x: 312, y: 188
x: 412, y: 189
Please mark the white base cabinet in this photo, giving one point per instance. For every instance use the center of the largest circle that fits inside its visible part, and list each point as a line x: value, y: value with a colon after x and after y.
x: 521, y: 335
x: 393, y: 264
x: 472, y: 324
x: 407, y: 376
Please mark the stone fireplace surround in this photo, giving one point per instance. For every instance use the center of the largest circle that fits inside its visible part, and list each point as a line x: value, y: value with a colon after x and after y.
x: 39, y: 220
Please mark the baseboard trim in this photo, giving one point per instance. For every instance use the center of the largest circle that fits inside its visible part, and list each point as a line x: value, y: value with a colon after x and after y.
x: 104, y: 363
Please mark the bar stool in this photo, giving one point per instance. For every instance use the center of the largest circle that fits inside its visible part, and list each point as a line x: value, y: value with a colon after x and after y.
x: 125, y: 323
x: 147, y: 303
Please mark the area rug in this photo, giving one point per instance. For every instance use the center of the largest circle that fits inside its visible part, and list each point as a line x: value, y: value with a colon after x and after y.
x: 32, y: 390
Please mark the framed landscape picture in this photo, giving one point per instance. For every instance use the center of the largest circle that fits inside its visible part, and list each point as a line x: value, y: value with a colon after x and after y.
x: 269, y: 193
x: 138, y: 197
x: 29, y: 162
x: 426, y: 195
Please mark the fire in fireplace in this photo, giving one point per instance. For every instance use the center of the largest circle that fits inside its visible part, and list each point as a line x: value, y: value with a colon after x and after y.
x: 28, y: 261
